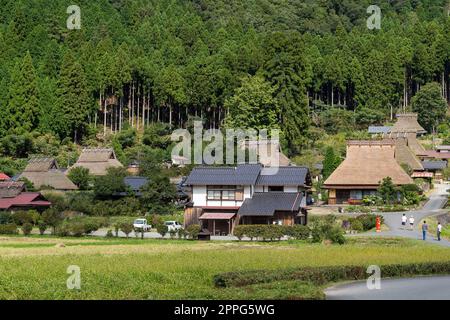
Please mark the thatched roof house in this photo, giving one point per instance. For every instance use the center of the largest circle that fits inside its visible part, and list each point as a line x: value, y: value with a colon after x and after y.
x: 13, y: 196
x: 42, y: 171
x: 405, y: 154
x: 407, y: 123
x: 97, y: 160
x: 367, y: 163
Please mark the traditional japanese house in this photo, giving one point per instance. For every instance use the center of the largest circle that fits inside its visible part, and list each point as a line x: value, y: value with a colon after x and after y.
x: 366, y: 164
x: 44, y: 172
x: 97, y: 160
x: 223, y: 197
x: 13, y: 196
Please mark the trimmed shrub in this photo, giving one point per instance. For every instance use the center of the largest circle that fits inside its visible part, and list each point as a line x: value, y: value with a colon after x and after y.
x: 271, y: 231
x: 126, y: 228
x: 22, y: 217
x: 77, y: 229
x: 193, y: 230
x: 162, y: 229
x: 9, y: 228
x: 239, y: 231
x: 298, y: 231
x: 172, y: 233
x: 26, y: 228
x: 5, y: 217
x: 368, y: 221
x: 182, y: 234
x: 356, y: 225
x: 109, y: 234
x: 42, y: 227
x: 323, y: 275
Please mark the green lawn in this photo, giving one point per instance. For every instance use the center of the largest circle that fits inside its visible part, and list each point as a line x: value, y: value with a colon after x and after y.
x: 34, y: 268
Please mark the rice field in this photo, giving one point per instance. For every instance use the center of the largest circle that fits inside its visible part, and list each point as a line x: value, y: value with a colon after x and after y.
x: 36, y: 267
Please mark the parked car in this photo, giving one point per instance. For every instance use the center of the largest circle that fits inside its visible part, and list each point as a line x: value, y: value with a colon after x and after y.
x: 141, y: 224
x: 173, y: 225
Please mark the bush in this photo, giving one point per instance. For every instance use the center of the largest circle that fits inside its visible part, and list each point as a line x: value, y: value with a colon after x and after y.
x: 239, y: 231
x: 109, y: 234
x: 356, y: 225
x: 182, y: 234
x: 368, y: 221
x: 5, y: 218
x: 326, y: 229
x: 77, y: 229
x: 271, y: 232
x: 162, y: 229
x: 22, y: 217
x: 172, y: 233
x: 193, y: 230
x: 9, y: 228
x: 62, y: 230
x: 42, y: 227
x: 126, y: 228
x: 298, y: 231
x: 26, y: 228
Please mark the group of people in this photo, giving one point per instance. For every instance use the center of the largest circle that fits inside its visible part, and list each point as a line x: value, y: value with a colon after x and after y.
x: 424, y: 227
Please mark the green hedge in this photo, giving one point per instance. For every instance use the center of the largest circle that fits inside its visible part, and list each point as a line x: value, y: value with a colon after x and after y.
x: 323, y: 275
x: 271, y: 231
x: 10, y: 228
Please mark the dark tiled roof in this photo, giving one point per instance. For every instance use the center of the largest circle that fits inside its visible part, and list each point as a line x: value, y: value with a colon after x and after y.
x: 379, y: 129
x: 135, y: 183
x: 284, y: 176
x: 434, y: 165
x: 266, y: 203
x: 244, y: 174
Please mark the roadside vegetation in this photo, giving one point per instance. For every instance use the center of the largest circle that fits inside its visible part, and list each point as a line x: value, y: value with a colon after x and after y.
x: 152, y: 269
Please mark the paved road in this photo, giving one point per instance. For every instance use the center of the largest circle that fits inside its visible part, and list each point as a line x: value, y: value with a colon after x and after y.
x: 436, y: 202
x: 420, y: 288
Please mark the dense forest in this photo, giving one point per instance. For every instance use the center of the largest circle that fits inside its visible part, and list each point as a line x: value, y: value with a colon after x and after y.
x: 134, y: 63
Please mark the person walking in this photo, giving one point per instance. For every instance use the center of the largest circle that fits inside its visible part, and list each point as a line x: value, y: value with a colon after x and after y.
x: 404, y: 219
x: 439, y: 230
x: 424, y: 230
x: 411, y: 222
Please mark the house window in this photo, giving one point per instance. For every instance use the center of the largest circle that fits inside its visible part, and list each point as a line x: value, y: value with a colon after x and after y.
x: 356, y: 195
x: 276, y: 188
x: 225, y: 193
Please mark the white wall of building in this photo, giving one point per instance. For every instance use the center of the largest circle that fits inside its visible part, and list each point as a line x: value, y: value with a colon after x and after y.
x: 199, y: 195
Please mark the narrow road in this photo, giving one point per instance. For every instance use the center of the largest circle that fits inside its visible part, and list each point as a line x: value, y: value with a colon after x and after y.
x: 420, y: 288
x: 434, y: 206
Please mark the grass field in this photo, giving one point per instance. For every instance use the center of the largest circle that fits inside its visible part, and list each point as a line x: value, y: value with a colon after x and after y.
x: 35, y: 267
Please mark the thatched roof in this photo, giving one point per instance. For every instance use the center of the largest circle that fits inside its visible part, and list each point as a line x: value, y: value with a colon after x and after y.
x: 11, y: 189
x: 414, y: 145
x: 366, y: 164
x: 97, y: 160
x: 404, y: 154
x: 41, y: 164
x: 53, y: 178
x: 43, y: 171
x: 406, y: 123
